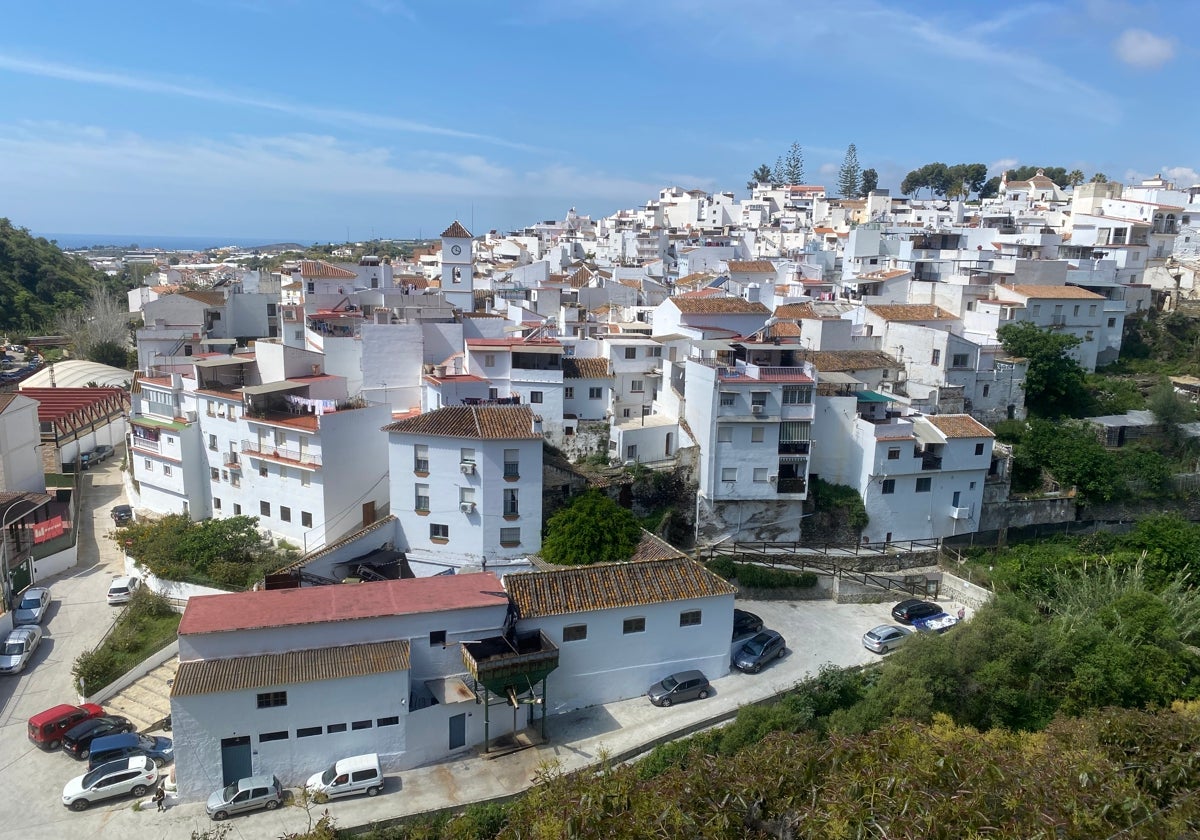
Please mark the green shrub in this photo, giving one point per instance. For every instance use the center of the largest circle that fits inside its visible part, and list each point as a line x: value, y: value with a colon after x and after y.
x: 829, y: 498
x: 479, y: 822
x: 760, y: 577
x: 95, y: 669
x: 723, y: 566
x: 147, y: 624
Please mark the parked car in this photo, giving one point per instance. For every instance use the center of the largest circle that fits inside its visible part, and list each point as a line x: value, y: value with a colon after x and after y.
x: 347, y: 776
x: 128, y: 777
x: 745, y: 623
x: 18, y: 649
x: 31, y: 609
x: 122, y: 588
x: 247, y: 794
x: 754, y: 654
x: 46, y: 729
x: 121, y: 514
x: 87, y: 458
x: 102, y: 452
x: 686, y: 685
x: 112, y: 747
x: 77, y: 743
x: 885, y: 637
x: 906, y: 612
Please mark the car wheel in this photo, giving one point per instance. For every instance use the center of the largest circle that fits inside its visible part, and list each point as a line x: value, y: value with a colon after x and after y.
x: 883, y: 649
x: 782, y: 651
x: 159, y: 762
x: 80, y: 805
x: 272, y: 804
x: 703, y: 694
x: 83, y: 754
x: 53, y: 745
x: 220, y: 815
x: 666, y: 701
x: 138, y: 790
x: 374, y: 791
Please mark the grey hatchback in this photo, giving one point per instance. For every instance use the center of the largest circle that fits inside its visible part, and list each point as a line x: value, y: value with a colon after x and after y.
x: 247, y: 794
x: 686, y: 685
x: 758, y: 651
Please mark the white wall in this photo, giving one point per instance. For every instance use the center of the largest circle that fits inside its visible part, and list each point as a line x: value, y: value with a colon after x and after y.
x: 20, y: 437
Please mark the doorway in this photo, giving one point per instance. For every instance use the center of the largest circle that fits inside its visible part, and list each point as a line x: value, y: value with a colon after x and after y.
x: 458, y: 731
x: 368, y: 514
x: 236, y: 761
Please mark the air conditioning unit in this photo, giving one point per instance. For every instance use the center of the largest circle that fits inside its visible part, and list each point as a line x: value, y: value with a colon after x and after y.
x: 467, y: 507
x: 774, y: 479
x: 757, y: 409
x: 467, y: 468
x: 191, y: 416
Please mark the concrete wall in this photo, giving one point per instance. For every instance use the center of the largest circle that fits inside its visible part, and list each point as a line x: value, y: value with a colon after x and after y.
x: 961, y: 591
x: 58, y: 562
x: 1017, y: 513
x: 175, y: 590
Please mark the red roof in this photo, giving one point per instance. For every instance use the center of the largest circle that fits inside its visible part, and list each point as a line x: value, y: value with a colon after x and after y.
x: 56, y: 403
x: 346, y: 602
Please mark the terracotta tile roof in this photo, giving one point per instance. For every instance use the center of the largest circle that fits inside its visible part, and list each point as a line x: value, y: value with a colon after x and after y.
x: 1055, y: 292
x: 207, y: 298
x: 781, y: 329
x: 240, y: 673
x: 6, y: 401
x: 633, y: 284
x: 751, y: 266
x: 585, y: 368
x: 849, y: 360
x: 719, y: 306
x: 483, y: 422
x: 959, y: 426
x: 795, y: 310
x: 911, y: 312
x: 696, y: 278
x: 328, y: 271
x: 606, y: 586
x: 709, y: 292
x: 651, y: 547
x: 456, y: 231
x: 321, y: 604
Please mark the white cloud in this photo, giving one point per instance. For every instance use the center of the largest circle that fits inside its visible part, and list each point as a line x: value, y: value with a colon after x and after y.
x: 1183, y: 176
x: 828, y: 170
x: 1003, y: 165
x: 1139, y: 48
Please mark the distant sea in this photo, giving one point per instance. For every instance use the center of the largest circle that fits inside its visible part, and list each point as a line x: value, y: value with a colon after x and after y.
x: 71, y: 241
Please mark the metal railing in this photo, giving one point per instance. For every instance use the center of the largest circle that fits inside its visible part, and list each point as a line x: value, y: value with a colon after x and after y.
x: 280, y: 453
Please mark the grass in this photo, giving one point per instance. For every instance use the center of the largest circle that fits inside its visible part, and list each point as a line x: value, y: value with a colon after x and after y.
x: 146, y: 625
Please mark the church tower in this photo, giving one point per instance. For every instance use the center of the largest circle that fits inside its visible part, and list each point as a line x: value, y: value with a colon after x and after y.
x: 458, y: 269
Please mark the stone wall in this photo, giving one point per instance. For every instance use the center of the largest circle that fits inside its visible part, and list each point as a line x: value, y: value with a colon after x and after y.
x: 961, y: 591
x: 1018, y: 513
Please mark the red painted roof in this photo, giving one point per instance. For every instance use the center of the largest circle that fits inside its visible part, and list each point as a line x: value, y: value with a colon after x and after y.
x: 346, y: 602
x: 55, y: 403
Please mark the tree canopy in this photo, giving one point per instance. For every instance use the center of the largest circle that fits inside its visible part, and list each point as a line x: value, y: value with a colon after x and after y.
x: 229, y: 552
x: 592, y: 529
x: 850, y: 173
x: 1054, y: 383
x: 868, y: 182
x: 1057, y: 174
x: 762, y: 175
x: 956, y: 181
x: 38, y: 280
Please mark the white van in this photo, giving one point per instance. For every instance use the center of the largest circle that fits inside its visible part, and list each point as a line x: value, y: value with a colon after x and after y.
x: 347, y: 776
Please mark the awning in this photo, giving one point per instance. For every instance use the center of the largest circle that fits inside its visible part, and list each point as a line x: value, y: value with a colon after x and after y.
x: 711, y: 344
x: 221, y: 361
x: 873, y: 397
x: 270, y: 387
x: 450, y: 690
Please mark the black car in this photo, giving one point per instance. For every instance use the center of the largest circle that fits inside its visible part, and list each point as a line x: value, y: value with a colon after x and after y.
x: 122, y: 514
x: 906, y: 612
x: 77, y: 743
x: 745, y: 623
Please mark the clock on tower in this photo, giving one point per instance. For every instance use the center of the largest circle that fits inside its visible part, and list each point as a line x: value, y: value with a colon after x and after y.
x: 458, y: 286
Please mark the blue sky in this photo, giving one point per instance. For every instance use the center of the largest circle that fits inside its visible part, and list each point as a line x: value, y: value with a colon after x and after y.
x: 309, y: 119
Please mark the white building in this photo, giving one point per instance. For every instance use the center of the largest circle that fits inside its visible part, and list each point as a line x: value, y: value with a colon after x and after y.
x: 21, y: 467
x: 458, y: 268
x: 466, y: 486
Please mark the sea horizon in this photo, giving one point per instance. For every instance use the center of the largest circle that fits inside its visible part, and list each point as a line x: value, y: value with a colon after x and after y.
x: 75, y: 241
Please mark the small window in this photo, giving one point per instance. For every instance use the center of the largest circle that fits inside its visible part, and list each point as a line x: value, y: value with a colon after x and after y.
x: 214, y: 473
x: 285, y: 513
x: 979, y: 449
x: 308, y: 731
x: 535, y: 397
x: 510, y: 537
x: 574, y: 632
x: 264, y: 508
x: 489, y: 360
x: 936, y: 358
x: 637, y: 386
x: 757, y: 434
x: 893, y: 453
x: 986, y: 389
x: 439, y: 532
x: 1089, y: 336
x: 421, y: 458
x: 725, y: 434
x: 512, y: 505
x: 216, y: 503
x: 437, y: 637
x: 594, y: 393
x: 728, y: 399
x: 272, y: 736
x: 634, y: 625
x: 166, y: 469
x: 512, y: 463
x: 760, y: 475
x: 1112, y: 322
x: 212, y: 442
x: 272, y: 699
x: 568, y: 393
x: 262, y: 470
x: 689, y: 618
x: 960, y: 360
x: 889, y: 486
x: 391, y: 720
x: 306, y: 519
x: 305, y: 478
x: 237, y: 509
x: 924, y: 484
x: 360, y: 724
x: 1092, y: 310
x: 149, y: 465
x: 729, y: 473
x: 421, y: 492
x: 630, y: 352
x: 335, y: 727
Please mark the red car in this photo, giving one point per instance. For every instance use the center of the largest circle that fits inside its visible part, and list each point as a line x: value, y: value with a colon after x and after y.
x: 46, y: 729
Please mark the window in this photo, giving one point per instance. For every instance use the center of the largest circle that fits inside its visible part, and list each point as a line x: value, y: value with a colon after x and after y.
x: 214, y: 473
x: 1112, y: 322
x: 757, y: 434
x: 360, y: 724
x: 630, y: 352
x: 625, y: 412
x: 1075, y: 313
x: 1037, y: 309
x: 391, y: 720
x: 923, y: 484
x: 148, y: 465
x: 335, y: 727
x: 421, y: 458
x: 306, y: 519
x: 272, y: 699
x: 574, y: 632
x: 264, y: 508
x: 654, y: 352
x: 759, y: 398
x: 725, y: 434
x: 631, y: 452
x: 936, y: 358
x: 166, y: 469
x: 272, y: 736
x: 466, y: 494
x: 594, y: 393
x: 489, y: 359
x: 511, y: 507
x: 512, y: 463
x: 510, y: 536
x: 439, y: 532
x: 729, y: 473
x: 728, y: 399
x: 422, y: 497
x: 237, y: 509
x: 305, y: 478
x: 568, y: 393
x: 263, y: 472
x: 216, y: 503
x: 797, y: 396
x: 285, y: 513
x: 1092, y: 310
x: 979, y: 449
x: 760, y: 474
x: 308, y: 731
x: 889, y: 486
x: 893, y: 453
x: 689, y: 618
x: 634, y: 625
x: 280, y: 438
x: 960, y: 360
x: 212, y: 442
x: 1089, y: 336
x: 986, y: 389
x: 637, y: 386
x: 535, y: 396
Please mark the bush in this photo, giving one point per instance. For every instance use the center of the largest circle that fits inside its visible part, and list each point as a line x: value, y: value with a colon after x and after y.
x: 840, y: 497
x: 147, y: 624
x: 754, y: 576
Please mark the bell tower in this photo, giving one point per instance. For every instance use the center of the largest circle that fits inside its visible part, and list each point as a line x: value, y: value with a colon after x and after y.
x: 458, y: 270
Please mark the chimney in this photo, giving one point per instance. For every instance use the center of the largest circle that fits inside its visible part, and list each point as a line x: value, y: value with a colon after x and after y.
x: 316, y: 370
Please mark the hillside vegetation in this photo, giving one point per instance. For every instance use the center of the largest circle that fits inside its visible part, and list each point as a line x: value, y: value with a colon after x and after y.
x: 37, y: 281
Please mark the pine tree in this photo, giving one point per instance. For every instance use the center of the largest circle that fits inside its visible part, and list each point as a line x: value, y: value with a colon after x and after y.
x: 777, y: 175
x: 793, y: 165
x: 848, y: 176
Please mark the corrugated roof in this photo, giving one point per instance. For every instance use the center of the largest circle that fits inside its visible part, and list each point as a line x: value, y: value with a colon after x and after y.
x: 585, y: 368
x: 456, y: 231
x: 719, y: 306
x: 239, y: 673
x: 959, y: 426
x: 606, y: 586
x: 484, y: 422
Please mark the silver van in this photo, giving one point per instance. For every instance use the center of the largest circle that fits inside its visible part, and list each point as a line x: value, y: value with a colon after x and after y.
x: 348, y: 776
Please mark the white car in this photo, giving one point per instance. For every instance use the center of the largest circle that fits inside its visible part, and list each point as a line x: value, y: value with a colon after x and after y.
x: 18, y: 649
x: 121, y: 590
x: 132, y: 776
x: 33, y: 605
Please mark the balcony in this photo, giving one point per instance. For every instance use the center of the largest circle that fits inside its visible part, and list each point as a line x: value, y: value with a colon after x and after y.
x: 796, y: 447
x: 791, y: 485
x: 281, y: 454
x: 145, y: 444
x: 931, y: 462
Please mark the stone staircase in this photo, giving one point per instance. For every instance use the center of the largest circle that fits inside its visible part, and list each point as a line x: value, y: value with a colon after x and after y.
x: 148, y: 700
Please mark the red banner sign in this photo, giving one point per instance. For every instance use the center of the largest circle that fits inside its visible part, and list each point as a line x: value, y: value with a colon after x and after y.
x: 49, y: 529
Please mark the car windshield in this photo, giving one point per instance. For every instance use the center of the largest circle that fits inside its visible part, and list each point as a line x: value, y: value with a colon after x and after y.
x: 96, y: 775
x: 118, y: 590
x: 30, y: 602
x: 228, y: 792
x: 329, y: 775
x: 755, y: 646
x: 146, y: 742
x: 13, y: 649
x: 669, y: 683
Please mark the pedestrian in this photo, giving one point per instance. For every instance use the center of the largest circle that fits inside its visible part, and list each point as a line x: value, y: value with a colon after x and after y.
x: 160, y: 794
x: 962, y: 613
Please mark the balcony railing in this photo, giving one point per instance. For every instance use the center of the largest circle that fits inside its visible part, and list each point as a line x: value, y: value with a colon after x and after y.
x: 145, y: 444
x: 282, y: 454
x: 797, y: 447
x: 790, y: 485
x: 931, y: 462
